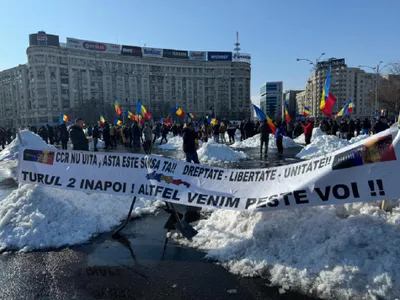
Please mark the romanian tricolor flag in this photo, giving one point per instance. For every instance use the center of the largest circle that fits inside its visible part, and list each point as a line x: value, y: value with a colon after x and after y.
x: 179, y: 111
x: 191, y: 115
x: 63, y: 119
x: 262, y: 117
x: 306, y: 111
x: 102, y: 120
x: 118, y: 109
x: 348, y: 108
x: 141, y: 110
x: 287, y: 116
x: 117, y: 122
x: 129, y: 115
x: 211, y: 121
x: 327, y: 99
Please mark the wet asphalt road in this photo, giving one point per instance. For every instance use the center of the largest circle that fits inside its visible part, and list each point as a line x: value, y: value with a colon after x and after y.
x: 136, y: 266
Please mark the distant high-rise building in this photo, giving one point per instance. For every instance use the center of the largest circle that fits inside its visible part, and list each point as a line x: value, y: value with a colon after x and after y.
x: 346, y: 83
x: 300, y: 102
x: 271, y: 98
x: 290, y: 98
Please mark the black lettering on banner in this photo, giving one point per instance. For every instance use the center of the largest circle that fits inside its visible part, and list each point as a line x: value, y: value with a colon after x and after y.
x: 169, y: 167
x: 253, y: 176
x: 41, y: 178
x: 204, y: 172
x: 153, y: 190
x: 339, y: 191
x: 211, y: 200
x: 300, y: 196
x: 292, y: 171
x: 99, y: 185
x: 71, y: 183
x: 62, y: 157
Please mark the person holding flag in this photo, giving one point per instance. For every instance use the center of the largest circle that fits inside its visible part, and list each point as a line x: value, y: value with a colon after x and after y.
x: 306, y: 111
x: 118, y: 109
x: 348, y: 108
x: 264, y: 136
x: 141, y: 110
x: 179, y: 111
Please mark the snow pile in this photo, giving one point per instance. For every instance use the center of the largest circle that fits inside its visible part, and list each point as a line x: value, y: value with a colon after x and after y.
x: 174, y: 143
x: 29, y: 139
x: 213, y: 152
x: 325, y: 144
x: 317, y: 132
x: 254, y: 142
x: 333, y: 252
x: 38, y: 217
x: 9, y: 156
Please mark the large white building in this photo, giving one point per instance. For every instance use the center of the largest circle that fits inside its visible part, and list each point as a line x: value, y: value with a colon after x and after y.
x: 346, y: 83
x: 81, y: 78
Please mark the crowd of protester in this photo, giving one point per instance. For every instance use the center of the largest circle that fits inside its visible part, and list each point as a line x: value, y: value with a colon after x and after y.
x: 138, y: 136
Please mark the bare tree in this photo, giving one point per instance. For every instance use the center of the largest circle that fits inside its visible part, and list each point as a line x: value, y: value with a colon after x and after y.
x: 389, y: 91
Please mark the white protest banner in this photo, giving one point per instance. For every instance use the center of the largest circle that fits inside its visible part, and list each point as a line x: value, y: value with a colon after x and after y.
x: 365, y: 171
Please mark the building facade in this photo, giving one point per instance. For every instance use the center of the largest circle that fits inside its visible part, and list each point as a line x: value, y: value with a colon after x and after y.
x: 271, y: 98
x: 300, y: 102
x: 81, y: 78
x: 346, y: 83
x: 289, y: 97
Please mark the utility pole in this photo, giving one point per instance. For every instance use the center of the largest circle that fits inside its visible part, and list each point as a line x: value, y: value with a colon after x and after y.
x: 315, y: 69
x: 377, y: 71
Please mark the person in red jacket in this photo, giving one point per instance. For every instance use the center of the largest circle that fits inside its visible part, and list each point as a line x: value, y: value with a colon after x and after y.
x: 308, y: 128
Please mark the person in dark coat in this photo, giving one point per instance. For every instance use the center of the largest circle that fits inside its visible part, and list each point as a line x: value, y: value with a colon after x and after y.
x: 43, y: 133
x: 216, y: 132
x: 136, y: 136
x: 50, y: 134
x: 64, y: 136
x: 358, y: 127
x: 3, y: 137
x: 106, y: 136
x: 96, y: 136
x: 279, y: 133
x: 365, y: 126
x: 381, y: 125
x: 343, y: 129
x: 352, y: 129
x: 164, y: 133
x: 264, y: 130
x: 334, y: 127
x: 78, y: 138
x: 249, y: 129
x: 189, y: 144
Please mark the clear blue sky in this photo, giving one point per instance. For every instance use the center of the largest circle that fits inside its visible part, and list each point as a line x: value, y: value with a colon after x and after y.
x: 274, y: 32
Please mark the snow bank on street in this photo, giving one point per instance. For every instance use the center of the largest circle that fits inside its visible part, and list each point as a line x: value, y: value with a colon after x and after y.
x: 325, y: 144
x: 29, y: 139
x: 333, y: 252
x: 174, y: 143
x: 9, y: 156
x: 38, y: 217
x: 213, y: 152
x: 254, y: 142
x: 317, y: 132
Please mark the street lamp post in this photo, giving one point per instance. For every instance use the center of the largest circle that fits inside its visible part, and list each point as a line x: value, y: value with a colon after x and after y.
x: 377, y: 71
x: 315, y: 68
